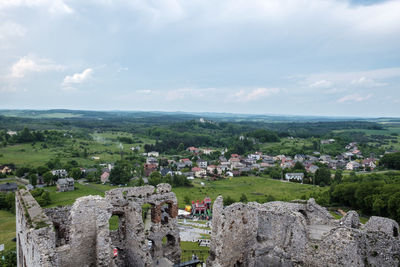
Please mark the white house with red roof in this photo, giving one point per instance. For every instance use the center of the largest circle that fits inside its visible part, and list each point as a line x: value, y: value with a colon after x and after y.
x: 199, y: 172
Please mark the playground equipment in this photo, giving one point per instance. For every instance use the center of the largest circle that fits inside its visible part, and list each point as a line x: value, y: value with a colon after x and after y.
x: 201, y: 208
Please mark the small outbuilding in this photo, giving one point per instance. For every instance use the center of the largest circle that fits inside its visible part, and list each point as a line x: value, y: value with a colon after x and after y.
x: 8, y: 187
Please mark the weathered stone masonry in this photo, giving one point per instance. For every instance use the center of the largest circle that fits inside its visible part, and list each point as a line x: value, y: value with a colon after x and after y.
x: 79, y: 235
x: 299, y: 234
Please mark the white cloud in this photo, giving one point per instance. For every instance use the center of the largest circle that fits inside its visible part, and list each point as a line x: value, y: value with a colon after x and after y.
x: 10, y: 28
x: 354, y: 98
x: 29, y: 64
x: 52, y: 6
x: 145, y: 91
x: 244, y: 96
x: 366, y: 82
x: 77, y: 78
x: 321, y: 84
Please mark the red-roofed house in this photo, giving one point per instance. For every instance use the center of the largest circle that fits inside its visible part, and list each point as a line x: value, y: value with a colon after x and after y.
x: 199, y: 172
x: 149, y: 168
x: 193, y: 149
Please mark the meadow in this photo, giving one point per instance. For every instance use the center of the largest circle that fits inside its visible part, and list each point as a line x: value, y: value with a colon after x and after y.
x: 7, y: 230
x: 255, y: 189
x: 104, y: 145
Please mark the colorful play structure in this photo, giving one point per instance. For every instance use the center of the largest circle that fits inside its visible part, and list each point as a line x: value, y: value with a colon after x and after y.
x: 200, y: 208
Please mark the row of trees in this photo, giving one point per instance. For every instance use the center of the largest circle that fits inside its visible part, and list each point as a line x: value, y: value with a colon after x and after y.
x: 372, y: 195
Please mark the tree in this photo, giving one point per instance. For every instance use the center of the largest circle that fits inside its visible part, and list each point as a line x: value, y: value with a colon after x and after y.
x: 155, y: 178
x: 140, y: 182
x: 299, y: 166
x: 75, y: 173
x: 32, y: 179
x: 323, y: 174
x: 21, y: 171
x: 120, y: 174
x: 48, y: 177
x: 228, y: 201
x: 338, y: 176
x: 8, y: 259
x: 243, y: 198
x: 275, y: 173
x: 42, y: 169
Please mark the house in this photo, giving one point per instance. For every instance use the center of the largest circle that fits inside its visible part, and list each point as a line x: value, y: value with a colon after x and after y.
x: 60, y: 173
x: 8, y: 187
x: 202, y: 163
x: 352, y: 165
x: 193, y: 149
x: 199, y: 172
x: 222, y: 159
x: 312, y: 168
x: 11, y: 133
x: 149, y: 168
x: 180, y: 165
x: 6, y: 169
x: 65, y: 184
x: 166, y: 171
x: 211, y: 168
x: 151, y: 160
x: 327, y: 141
x: 104, y: 178
x: 299, y: 158
x: 294, y: 176
x: 95, y: 158
x: 235, y: 156
x: 153, y: 154
x: 207, y: 151
x: 254, y: 156
x: 187, y: 162
x: 269, y: 160
x: 369, y: 162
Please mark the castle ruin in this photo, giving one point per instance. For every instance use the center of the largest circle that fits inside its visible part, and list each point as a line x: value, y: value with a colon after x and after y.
x: 79, y: 235
x: 299, y: 233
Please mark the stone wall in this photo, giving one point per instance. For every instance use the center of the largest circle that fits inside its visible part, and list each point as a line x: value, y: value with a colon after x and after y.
x: 299, y: 234
x: 35, y: 234
x: 79, y: 235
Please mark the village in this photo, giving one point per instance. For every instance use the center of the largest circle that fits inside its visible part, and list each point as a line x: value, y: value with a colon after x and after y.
x: 226, y: 166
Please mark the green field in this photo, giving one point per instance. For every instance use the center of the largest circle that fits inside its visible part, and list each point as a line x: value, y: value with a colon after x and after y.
x: 255, y: 188
x: 286, y: 146
x: 104, y: 145
x: 190, y: 248
x: 7, y: 230
x: 68, y: 198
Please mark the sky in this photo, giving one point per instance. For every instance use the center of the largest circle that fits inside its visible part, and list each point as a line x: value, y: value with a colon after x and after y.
x: 298, y: 57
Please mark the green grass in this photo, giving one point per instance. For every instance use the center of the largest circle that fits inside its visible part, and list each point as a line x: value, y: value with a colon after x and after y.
x: 335, y: 215
x: 7, y: 230
x: 104, y: 145
x: 286, y: 146
x: 68, y: 198
x: 255, y: 188
x: 363, y: 219
x: 190, y: 248
x: 114, y: 222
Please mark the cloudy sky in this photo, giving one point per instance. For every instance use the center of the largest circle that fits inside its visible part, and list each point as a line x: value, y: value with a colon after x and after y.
x: 300, y: 57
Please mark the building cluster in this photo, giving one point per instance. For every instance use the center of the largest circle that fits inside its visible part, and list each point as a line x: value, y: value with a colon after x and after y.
x: 235, y: 165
